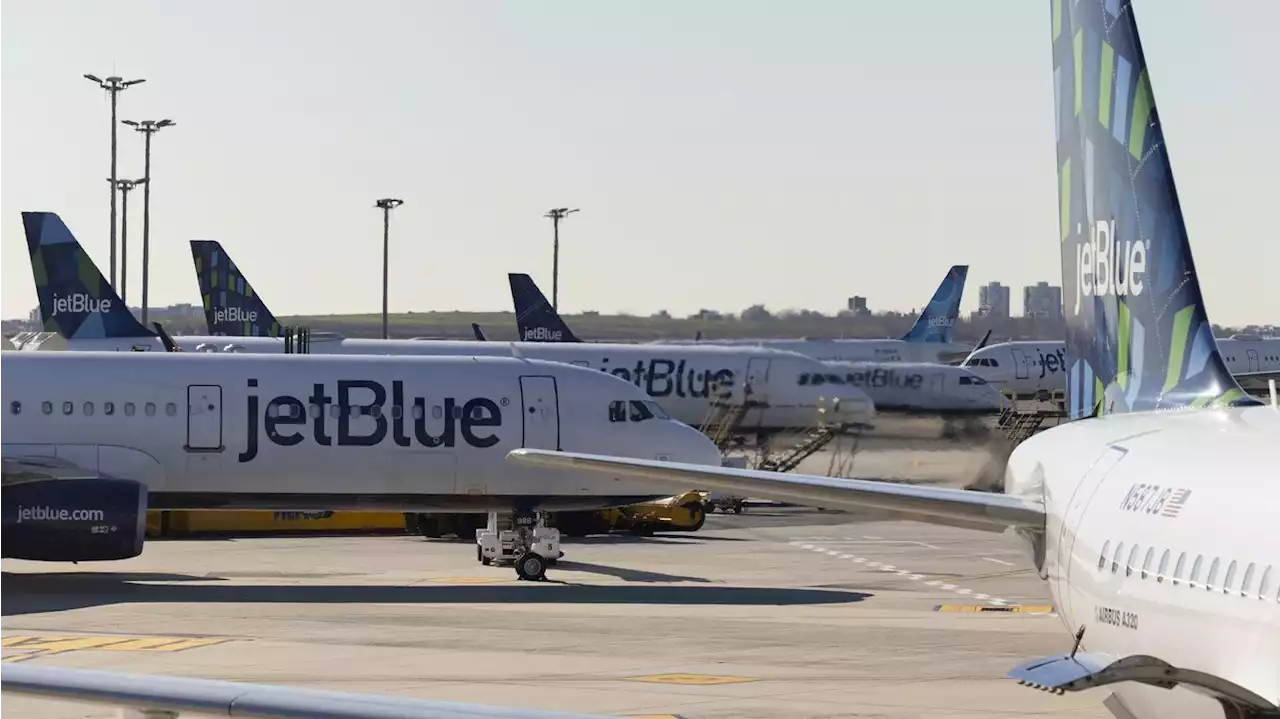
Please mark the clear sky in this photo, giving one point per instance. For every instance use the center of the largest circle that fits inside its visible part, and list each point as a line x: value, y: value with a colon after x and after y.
x: 723, y: 152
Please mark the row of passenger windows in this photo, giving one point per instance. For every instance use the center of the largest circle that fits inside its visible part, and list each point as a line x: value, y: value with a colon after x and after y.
x: 108, y: 408
x: 1267, y: 587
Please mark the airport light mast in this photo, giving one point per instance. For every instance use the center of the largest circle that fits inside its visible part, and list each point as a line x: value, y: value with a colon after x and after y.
x: 147, y: 128
x: 556, y: 215
x: 125, y: 187
x: 386, y: 204
x: 114, y: 86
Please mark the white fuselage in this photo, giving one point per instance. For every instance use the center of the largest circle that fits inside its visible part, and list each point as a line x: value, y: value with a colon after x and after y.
x: 1037, y: 368
x: 680, y: 378
x: 1160, y: 541
x: 292, y: 432
x: 849, y: 350
x: 914, y: 387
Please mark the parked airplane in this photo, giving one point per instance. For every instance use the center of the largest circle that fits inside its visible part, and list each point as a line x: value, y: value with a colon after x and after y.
x: 928, y: 340
x: 1037, y: 368
x: 912, y: 388
x: 77, y: 302
x: 1150, y: 516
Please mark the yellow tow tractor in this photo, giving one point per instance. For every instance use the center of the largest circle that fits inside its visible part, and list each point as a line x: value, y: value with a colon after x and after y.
x: 682, y: 513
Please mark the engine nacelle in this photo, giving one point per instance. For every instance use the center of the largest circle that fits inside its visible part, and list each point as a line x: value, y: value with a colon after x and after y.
x: 74, y: 520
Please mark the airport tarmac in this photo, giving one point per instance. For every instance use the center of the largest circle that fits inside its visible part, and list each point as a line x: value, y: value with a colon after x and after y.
x: 779, y: 612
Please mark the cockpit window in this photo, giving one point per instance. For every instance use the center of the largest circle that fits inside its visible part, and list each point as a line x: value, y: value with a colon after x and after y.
x: 639, y: 412
x: 618, y: 411
x: 657, y: 409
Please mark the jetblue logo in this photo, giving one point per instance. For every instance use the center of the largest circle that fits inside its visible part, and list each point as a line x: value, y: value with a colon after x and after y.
x: 284, y: 419
x: 1107, y: 267
x: 78, y: 303
x: 1053, y: 363
x: 664, y: 377
x: 935, y: 322
x: 234, y: 314
x: 542, y: 334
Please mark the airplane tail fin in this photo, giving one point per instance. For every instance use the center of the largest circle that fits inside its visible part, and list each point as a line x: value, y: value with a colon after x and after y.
x: 938, y: 319
x: 231, y: 306
x: 1138, y: 336
x: 76, y: 301
x: 479, y: 333
x: 536, y: 320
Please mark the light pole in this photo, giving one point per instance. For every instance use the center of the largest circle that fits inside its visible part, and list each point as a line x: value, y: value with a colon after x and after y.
x: 556, y: 215
x: 386, y: 204
x: 147, y: 128
x: 113, y: 85
x: 125, y: 186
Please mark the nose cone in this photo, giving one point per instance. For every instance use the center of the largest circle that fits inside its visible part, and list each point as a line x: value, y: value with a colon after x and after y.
x: 694, y: 447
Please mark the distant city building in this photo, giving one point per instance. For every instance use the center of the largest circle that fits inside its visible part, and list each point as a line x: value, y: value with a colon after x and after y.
x: 1042, y: 300
x: 993, y: 300
x: 858, y: 305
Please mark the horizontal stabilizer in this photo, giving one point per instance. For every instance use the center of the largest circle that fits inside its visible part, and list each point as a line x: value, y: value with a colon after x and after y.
x: 1085, y: 670
x: 980, y: 510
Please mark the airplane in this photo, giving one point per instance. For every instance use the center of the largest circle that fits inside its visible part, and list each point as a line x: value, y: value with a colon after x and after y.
x: 928, y: 340
x: 896, y: 388
x: 1037, y: 368
x: 81, y: 306
x: 1150, y: 514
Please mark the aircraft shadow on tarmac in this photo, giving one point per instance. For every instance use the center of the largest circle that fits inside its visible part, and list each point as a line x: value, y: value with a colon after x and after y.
x: 37, y: 593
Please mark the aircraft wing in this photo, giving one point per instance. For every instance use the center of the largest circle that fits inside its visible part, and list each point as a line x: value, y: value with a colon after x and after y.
x: 978, y: 510
x: 235, y: 699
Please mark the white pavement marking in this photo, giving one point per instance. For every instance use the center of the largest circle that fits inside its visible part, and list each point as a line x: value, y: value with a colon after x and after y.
x: 963, y: 591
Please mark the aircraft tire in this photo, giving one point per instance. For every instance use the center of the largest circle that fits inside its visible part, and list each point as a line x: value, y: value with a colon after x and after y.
x: 531, y: 567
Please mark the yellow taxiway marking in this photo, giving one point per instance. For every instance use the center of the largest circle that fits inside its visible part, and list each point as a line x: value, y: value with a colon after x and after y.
x: 1018, y: 609
x: 468, y: 580
x: 36, y: 646
x: 699, y: 679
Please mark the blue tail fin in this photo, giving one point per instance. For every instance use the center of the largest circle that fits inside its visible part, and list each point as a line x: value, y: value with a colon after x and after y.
x: 938, y: 319
x: 76, y: 301
x: 536, y: 320
x: 1138, y: 336
x: 231, y: 307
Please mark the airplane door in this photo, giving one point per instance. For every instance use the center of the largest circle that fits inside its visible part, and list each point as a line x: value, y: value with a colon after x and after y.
x: 1020, y: 363
x: 541, y: 411
x: 1074, y: 515
x: 1253, y: 360
x: 758, y: 376
x: 204, y: 418
x: 936, y: 380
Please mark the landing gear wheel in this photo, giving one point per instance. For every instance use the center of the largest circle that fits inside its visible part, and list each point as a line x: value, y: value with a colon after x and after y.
x: 737, y: 509
x: 481, y: 558
x: 531, y: 567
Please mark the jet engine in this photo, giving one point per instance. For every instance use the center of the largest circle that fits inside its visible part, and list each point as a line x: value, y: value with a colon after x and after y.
x: 74, y: 520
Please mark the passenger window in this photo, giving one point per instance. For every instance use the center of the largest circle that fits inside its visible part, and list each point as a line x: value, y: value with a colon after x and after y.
x: 150, y: 409
x: 1177, y: 571
x: 1102, y: 556
x: 1133, y: 559
x: 335, y: 411
x: 396, y: 411
x: 617, y: 411
x: 1195, y: 571
x: 1146, y: 563
x: 273, y: 410
x: 375, y: 411
x: 313, y: 410
x: 68, y: 407
x: 1115, y: 558
x: 15, y: 408
x: 1213, y: 575
x: 46, y: 407
x: 171, y: 409
x: 1229, y: 581
x: 87, y: 408
x: 477, y: 413
x: 1247, y: 583
x: 1164, y: 566
x: 128, y: 409
x: 418, y: 411
x: 108, y: 408
x: 437, y: 412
